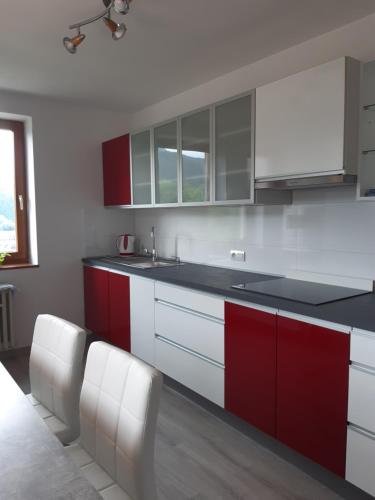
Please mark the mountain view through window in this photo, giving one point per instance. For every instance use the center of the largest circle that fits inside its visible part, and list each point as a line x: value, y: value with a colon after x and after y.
x: 8, y: 238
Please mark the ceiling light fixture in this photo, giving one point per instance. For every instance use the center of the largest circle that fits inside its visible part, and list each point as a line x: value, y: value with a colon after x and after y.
x: 118, y: 30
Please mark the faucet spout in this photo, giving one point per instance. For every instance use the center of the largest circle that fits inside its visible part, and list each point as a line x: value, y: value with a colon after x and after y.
x: 153, y: 253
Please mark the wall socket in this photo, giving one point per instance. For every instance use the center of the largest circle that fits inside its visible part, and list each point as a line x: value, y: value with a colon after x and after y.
x: 238, y: 255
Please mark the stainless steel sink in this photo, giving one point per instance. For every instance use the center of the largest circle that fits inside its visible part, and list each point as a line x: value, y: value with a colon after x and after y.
x: 142, y: 262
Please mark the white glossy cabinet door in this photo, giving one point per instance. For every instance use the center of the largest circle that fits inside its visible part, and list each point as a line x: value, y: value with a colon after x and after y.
x: 360, y: 459
x: 142, y: 318
x: 200, y: 334
x: 361, y: 410
x: 301, y: 123
x: 207, y: 379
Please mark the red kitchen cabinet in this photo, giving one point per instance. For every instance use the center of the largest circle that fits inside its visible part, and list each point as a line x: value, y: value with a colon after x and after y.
x: 116, y: 171
x: 312, y: 391
x: 119, y: 310
x: 96, y: 300
x: 250, y: 366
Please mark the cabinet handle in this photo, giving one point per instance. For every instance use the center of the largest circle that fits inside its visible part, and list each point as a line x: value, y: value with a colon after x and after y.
x: 363, y: 368
x: 189, y: 351
x: 362, y: 431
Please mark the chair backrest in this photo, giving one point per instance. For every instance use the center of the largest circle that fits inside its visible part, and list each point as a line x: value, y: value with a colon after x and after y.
x: 118, y: 413
x: 56, y: 366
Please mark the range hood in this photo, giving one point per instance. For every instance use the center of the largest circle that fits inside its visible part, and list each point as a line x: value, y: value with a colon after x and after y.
x: 307, y: 182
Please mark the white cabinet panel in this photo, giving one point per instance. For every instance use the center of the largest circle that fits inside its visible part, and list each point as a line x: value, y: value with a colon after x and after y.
x: 301, y: 122
x: 142, y: 318
x: 360, y: 459
x: 199, y: 375
x: 362, y: 347
x: 200, y: 302
x: 362, y: 398
x: 197, y: 333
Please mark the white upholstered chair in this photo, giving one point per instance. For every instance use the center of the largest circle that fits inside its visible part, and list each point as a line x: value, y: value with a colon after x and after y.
x: 56, y: 374
x: 118, y: 413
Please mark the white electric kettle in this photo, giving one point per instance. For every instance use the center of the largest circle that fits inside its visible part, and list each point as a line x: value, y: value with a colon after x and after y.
x: 125, y: 244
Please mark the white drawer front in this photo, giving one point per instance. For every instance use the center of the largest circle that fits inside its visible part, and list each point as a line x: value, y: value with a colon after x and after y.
x: 197, y: 333
x: 362, y: 347
x: 360, y: 460
x: 142, y: 324
x: 197, y: 301
x: 362, y: 398
x: 199, y: 375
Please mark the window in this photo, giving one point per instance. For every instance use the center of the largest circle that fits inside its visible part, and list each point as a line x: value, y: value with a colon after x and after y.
x: 13, y: 198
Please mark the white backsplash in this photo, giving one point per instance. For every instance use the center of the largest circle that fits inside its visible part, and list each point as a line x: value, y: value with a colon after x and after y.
x: 325, y: 231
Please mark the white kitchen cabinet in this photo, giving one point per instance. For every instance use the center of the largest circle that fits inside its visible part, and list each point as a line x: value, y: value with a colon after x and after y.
x: 204, y: 303
x: 362, y: 397
x: 360, y: 459
x: 189, y: 339
x: 307, y: 123
x: 194, y: 331
x: 196, y: 373
x: 360, y: 456
x: 362, y: 347
x: 142, y: 318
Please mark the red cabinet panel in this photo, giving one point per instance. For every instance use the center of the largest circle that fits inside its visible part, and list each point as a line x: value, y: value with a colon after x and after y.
x: 119, y: 310
x: 116, y: 171
x: 250, y: 366
x: 312, y: 391
x: 96, y: 300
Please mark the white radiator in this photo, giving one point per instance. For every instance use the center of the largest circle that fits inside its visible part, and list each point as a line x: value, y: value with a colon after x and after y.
x: 7, y: 340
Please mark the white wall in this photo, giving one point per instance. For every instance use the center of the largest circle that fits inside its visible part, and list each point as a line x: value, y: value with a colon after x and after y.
x: 355, y: 39
x: 324, y: 231
x: 71, y: 219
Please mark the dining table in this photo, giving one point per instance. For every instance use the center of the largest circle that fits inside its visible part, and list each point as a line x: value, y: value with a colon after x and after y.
x: 33, y: 462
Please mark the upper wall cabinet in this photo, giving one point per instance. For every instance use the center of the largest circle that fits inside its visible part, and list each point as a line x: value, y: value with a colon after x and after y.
x: 196, y: 157
x: 234, y: 165
x: 166, y: 164
x: 116, y: 171
x: 307, y: 124
x: 141, y: 168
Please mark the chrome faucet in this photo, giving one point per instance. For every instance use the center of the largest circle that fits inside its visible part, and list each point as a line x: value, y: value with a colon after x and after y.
x: 153, y: 253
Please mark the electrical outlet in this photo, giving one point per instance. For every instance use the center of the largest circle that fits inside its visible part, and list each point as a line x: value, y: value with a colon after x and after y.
x: 238, y: 255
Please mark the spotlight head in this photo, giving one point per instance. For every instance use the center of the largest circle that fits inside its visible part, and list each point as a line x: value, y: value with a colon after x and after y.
x: 71, y: 43
x: 118, y: 30
x: 121, y: 6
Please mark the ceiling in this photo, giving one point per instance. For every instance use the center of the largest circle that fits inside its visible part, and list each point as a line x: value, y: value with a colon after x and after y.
x: 170, y: 46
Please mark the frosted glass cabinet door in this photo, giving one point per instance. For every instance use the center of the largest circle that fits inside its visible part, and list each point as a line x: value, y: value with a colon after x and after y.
x: 141, y: 168
x: 195, y: 131
x: 166, y: 161
x: 233, y: 150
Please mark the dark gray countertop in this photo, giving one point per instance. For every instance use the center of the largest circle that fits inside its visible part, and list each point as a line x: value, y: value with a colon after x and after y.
x: 33, y: 463
x: 356, y: 312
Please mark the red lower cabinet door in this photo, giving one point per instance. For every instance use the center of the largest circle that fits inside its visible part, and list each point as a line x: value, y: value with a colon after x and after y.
x: 96, y: 300
x: 119, y: 310
x: 250, y: 366
x: 312, y: 391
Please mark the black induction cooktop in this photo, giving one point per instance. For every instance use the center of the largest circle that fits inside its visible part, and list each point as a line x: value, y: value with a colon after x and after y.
x: 306, y: 292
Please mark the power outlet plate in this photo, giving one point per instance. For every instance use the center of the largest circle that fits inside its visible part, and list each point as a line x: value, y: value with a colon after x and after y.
x: 238, y: 255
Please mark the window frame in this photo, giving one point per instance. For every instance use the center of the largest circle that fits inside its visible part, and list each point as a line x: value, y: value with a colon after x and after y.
x: 22, y: 256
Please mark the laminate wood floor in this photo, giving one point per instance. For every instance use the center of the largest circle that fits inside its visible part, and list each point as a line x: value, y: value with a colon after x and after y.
x: 199, y: 456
